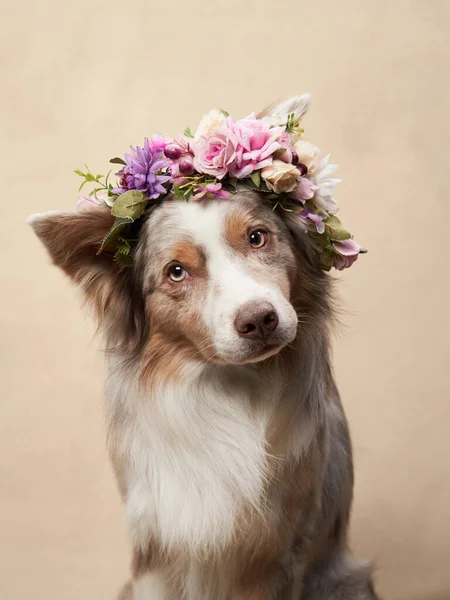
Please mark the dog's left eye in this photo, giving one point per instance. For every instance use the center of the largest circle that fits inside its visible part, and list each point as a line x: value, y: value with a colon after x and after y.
x: 177, y: 273
x: 258, y: 239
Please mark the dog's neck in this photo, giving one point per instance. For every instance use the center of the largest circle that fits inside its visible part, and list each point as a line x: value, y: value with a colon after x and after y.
x: 290, y: 388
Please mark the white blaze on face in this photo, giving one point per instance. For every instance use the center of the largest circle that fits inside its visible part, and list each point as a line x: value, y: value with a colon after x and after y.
x: 231, y: 286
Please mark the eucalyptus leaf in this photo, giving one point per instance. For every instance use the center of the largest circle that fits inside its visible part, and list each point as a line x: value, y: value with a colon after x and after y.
x: 256, y: 178
x: 326, y: 260
x: 130, y: 204
x: 111, y: 237
x: 336, y: 230
x: 117, y: 161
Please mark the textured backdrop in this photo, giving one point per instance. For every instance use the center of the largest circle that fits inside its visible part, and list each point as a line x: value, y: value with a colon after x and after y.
x: 82, y: 80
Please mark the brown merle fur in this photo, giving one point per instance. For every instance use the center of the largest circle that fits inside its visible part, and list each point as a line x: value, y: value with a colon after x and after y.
x: 304, y: 552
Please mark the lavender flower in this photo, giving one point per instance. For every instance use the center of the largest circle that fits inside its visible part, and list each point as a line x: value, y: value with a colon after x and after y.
x: 143, y: 169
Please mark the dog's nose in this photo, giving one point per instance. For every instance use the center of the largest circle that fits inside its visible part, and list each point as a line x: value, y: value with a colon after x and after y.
x: 256, y: 320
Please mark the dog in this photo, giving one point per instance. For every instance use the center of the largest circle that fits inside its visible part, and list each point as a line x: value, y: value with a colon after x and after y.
x: 225, y: 427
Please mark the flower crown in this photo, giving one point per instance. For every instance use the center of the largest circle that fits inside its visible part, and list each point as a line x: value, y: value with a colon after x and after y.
x: 267, y: 154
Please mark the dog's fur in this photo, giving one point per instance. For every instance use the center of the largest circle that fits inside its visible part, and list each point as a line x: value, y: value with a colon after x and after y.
x: 232, y: 456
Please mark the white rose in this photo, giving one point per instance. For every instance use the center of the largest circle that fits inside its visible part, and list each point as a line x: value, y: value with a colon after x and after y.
x: 308, y: 154
x: 209, y: 123
x: 280, y: 176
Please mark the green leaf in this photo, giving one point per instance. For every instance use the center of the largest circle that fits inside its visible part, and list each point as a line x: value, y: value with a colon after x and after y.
x: 117, y: 161
x: 97, y: 177
x: 292, y: 123
x: 326, y: 260
x: 335, y: 229
x: 248, y: 182
x: 90, y: 177
x: 80, y: 173
x: 123, y: 245
x: 130, y: 204
x: 82, y: 185
x: 224, y: 112
x: 111, y: 237
x: 183, y: 194
x: 188, y: 132
x: 256, y: 178
x: 125, y: 260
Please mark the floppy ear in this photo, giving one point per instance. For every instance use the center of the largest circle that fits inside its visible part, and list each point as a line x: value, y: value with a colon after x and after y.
x: 312, y: 289
x: 73, y: 240
x: 302, y: 233
x: 297, y: 105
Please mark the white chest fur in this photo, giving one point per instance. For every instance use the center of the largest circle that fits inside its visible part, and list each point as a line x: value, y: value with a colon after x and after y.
x: 195, y: 454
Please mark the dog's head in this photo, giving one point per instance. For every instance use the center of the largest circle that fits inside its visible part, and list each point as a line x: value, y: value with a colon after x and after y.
x: 231, y: 281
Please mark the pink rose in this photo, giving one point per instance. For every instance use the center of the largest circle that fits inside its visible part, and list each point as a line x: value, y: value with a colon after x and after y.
x: 257, y: 143
x: 348, y: 253
x: 87, y: 203
x: 210, y: 123
x: 216, y: 153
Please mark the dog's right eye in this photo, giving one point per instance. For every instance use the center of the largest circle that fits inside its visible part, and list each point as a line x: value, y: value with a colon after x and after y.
x: 177, y: 273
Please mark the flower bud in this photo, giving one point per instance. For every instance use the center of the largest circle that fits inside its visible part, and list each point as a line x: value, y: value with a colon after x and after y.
x: 302, y: 168
x: 172, y: 151
x: 186, y: 166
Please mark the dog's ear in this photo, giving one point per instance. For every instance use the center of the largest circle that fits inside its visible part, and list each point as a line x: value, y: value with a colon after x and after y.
x: 302, y: 233
x: 73, y: 239
x: 297, y: 105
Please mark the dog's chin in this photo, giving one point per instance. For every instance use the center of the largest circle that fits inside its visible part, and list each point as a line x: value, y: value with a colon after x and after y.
x: 252, y: 352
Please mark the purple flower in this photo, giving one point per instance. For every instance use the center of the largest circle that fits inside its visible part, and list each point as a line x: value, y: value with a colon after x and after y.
x: 316, y: 219
x: 305, y: 189
x: 143, y: 169
x: 348, y: 251
x: 210, y: 190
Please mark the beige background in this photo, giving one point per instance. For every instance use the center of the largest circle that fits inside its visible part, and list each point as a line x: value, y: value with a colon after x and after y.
x: 82, y: 80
